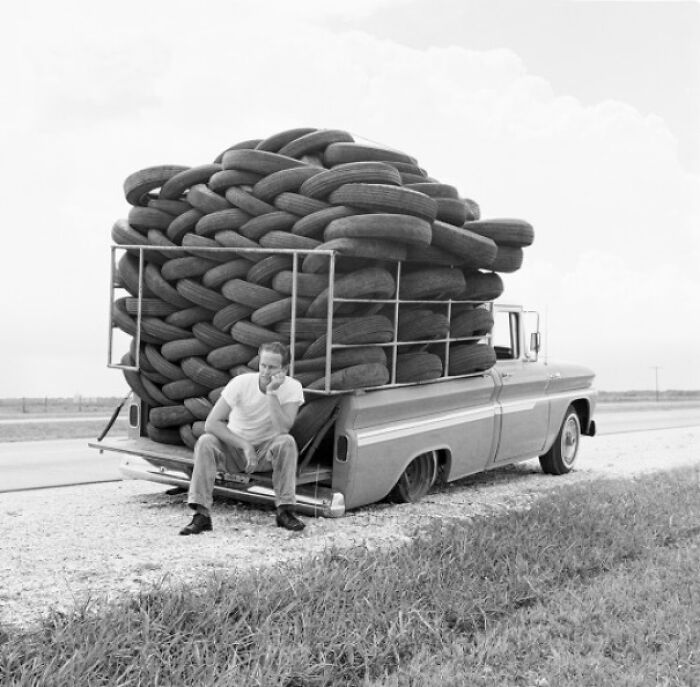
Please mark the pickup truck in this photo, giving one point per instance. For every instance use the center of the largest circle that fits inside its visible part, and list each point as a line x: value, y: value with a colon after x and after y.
x: 399, y: 440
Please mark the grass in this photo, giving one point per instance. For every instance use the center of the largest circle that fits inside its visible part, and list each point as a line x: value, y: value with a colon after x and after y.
x: 554, y: 592
x: 27, y: 406
x: 83, y: 428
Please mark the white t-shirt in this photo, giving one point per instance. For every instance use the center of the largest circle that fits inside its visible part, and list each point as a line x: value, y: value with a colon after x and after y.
x: 250, y: 416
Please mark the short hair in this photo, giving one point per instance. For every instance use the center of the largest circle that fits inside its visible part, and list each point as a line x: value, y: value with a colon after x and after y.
x: 276, y: 347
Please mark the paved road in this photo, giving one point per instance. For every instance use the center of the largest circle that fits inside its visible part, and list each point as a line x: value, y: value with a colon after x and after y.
x: 58, y: 462
x: 38, y: 464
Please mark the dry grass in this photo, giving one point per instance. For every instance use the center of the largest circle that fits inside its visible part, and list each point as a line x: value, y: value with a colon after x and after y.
x: 83, y: 428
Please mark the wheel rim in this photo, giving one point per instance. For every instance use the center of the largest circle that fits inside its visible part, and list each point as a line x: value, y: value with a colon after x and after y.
x: 570, y: 439
x: 419, y: 476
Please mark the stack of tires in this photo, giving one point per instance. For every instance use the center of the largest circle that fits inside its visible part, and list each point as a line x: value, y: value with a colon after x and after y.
x: 204, y: 313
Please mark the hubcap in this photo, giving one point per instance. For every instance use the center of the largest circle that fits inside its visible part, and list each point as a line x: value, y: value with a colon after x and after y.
x: 570, y: 436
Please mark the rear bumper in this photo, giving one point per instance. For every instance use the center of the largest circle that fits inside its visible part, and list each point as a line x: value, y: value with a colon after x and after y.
x: 142, y: 461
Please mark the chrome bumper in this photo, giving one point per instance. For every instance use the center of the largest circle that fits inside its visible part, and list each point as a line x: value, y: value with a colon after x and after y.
x: 311, y: 500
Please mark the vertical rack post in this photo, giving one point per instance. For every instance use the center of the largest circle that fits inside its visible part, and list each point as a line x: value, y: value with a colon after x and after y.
x: 112, y: 271
x: 446, y: 371
x: 293, y: 332
x: 137, y: 357
x: 394, y: 345
x: 329, y: 326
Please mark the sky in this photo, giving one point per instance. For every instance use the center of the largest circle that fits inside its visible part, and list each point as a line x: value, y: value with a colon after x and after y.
x: 580, y: 117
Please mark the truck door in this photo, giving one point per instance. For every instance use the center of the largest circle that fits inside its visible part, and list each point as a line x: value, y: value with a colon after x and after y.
x: 522, y: 401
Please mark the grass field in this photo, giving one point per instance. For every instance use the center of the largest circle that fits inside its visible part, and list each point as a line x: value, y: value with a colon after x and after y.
x: 593, y: 585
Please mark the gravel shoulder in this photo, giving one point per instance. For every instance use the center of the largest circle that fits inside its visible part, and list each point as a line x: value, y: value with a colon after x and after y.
x: 87, y: 544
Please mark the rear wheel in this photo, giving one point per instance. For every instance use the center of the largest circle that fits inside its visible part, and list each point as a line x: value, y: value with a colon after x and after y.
x: 561, y: 456
x: 417, y: 478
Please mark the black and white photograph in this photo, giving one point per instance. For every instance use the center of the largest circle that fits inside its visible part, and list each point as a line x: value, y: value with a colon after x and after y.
x: 350, y: 343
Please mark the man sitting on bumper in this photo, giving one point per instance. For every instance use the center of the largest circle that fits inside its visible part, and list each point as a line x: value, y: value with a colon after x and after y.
x: 247, y: 430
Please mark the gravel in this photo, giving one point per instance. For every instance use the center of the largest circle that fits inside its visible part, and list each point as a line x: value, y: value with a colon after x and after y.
x: 87, y: 544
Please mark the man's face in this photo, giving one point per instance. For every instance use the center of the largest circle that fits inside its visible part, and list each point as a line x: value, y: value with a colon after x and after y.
x: 270, y: 364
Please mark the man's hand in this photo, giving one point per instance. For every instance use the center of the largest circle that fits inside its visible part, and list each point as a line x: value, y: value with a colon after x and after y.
x: 275, y: 382
x: 250, y: 455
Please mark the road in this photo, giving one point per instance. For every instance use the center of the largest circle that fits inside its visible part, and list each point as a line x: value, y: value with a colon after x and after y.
x: 41, y: 464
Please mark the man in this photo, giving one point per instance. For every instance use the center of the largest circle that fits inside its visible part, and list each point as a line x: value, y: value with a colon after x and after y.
x: 247, y: 430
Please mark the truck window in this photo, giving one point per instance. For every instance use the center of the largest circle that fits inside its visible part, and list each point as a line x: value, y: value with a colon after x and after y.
x: 505, y: 335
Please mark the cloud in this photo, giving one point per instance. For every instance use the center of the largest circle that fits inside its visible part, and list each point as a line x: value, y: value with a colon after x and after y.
x: 602, y: 185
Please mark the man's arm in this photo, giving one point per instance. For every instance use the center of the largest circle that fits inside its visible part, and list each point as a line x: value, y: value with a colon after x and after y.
x: 217, y: 424
x: 282, y: 416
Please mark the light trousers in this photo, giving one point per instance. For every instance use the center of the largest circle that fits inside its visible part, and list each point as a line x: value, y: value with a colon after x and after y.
x: 211, y: 455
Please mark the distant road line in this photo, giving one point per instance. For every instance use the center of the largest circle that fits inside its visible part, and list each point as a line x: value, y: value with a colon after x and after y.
x: 62, y: 418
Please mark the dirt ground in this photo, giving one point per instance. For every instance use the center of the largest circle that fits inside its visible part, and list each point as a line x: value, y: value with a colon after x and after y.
x: 66, y: 545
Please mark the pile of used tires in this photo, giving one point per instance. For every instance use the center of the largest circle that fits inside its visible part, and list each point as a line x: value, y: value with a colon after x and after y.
x: 204, y: 313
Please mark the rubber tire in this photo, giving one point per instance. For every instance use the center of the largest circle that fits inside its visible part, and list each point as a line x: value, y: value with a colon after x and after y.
x: 508, y: 259
x: 210, y: 335
x: 361, y: 376
x: 232, y: 218
x: 201, y: 197
x: 199, y: 406
x: 299, y: 205
x: 435, y: 190
x: 269, y: 187
x: 226, y: 357
x: 169, y: 416
x: 373, y: 329
x: 481, y: 286
x: 557, y: 460
x: 372, y: 249
x: 504, y: 232
x: 417, y: 479
x: 311, y: 417
x: 182, y: 268
x: 223, y: 180
x: 385, y: 198
x: 277, y: 141
x: 258, y: 161
x: 469, y: 358
x: 255, y: 228
x: 189, y: 316
x: 323, y: 184
x: 182, y: 225
x: 340, y: 153
x: 228, y: 316
x: 138, y: 185
x: 366, y: 283
x: 226, y: 271
x: 313, y: 225
x: 315, y: 141
x: 202, y: 373
x: 201, y: 295
x: 418, y: 366
x: 432, y: 282
x: 386, y: 226
x: 183, y: 348
x: 471, y: 249
x: 174, y: 187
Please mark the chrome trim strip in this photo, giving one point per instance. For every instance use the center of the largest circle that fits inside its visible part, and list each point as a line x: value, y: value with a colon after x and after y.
x: 397, y: 431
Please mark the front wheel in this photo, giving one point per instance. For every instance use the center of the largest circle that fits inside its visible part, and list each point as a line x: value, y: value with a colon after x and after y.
x: 417, y: 478
x: 561, y: 456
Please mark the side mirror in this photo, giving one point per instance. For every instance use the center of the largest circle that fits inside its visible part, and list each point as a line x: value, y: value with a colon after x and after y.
x: 535, y: 342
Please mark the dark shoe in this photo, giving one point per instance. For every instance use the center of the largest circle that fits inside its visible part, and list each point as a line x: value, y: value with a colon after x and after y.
x: 287, y: 519
x: 200, y: 523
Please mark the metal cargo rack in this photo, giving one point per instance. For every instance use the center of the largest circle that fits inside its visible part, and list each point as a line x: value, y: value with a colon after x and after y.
x: 395, y: 345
